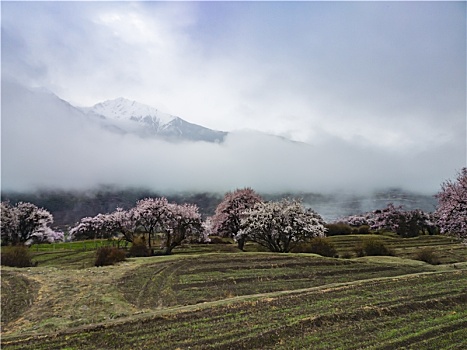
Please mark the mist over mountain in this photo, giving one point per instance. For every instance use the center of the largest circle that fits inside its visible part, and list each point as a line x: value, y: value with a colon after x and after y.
x: 49, y: 144
x: 78, y: 162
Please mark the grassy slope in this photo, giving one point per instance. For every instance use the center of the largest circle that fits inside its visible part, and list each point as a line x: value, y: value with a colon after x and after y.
x: 448, y: 249
x: 241, y: 300
x: 204, y: 278
x: 355, y: 315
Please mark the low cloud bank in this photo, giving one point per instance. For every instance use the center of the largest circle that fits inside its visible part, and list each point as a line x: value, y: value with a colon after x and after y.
x: 46, y: 143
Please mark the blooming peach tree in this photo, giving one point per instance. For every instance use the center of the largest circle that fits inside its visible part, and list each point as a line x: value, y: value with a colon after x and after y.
x: 123, y: 223
x: 92, y: 227
x: 25, y: 223
x: 120, y: 223
x: 8, y: 222
x: 183, y: 223
x: 226, y: 220
x: 451, y: 213
x: 151, y: 214
x: 176, y: 223
x: 406, y: 223
x: 279, y: 226
x: 409, y: 223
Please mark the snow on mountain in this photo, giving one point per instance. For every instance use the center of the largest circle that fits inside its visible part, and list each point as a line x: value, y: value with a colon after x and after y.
x: 125, y: 116
x: 122, y: 108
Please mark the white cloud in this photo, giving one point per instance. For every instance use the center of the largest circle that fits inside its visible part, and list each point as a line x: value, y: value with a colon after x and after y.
x: 367, y: 94
x: 47, y: 143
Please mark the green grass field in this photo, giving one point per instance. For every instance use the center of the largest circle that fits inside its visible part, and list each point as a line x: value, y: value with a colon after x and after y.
x: 216, y: 297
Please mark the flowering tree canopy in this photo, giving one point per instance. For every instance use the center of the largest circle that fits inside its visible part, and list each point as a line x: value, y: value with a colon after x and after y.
x: 93, y: 227
x: 25, y: 223
x: 119, y: 222
x: 152, y: 215
x: 357, y: 220
x: 451, y: 213
x: 8, y: 222
x: 405, y: 223
x: 53, y: 236
x: 183, y: 222
x: 226, y: 220
x: 123, y: 222
x: 393, y: 218
x: 278, y: 226
x: 175, y: 222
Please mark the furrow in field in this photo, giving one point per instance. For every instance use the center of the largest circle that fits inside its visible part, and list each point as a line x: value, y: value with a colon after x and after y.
x: 297, y: 317
x: 192, y: 281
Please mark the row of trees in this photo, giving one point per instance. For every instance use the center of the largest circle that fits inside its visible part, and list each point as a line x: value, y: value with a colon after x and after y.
x: 449, y: 218
x: 176, y: 223
x: 242, y: 215
x: 393, y: 218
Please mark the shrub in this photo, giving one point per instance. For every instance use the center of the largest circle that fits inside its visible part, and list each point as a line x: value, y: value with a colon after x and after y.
x: 108, y: 256
x: 317, y: 245
x: 364, y: 230
x: 16, y: 256
x: 372, y: 247
x: 427, y: 255
x: 139, y: 250
x: 339, y: 228
x: 361, y: 230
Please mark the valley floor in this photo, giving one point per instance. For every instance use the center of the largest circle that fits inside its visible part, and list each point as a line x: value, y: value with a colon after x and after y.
x: 220, y: 300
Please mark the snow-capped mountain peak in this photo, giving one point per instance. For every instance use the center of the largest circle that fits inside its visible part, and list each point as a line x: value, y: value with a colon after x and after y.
x: 122, y: 108
x: 125, y: 116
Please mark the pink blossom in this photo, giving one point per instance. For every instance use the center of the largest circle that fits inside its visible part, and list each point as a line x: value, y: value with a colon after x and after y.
x: 280, y: 225
x: 226, y: 220
x: 451, y: 213
x: 24, y: 223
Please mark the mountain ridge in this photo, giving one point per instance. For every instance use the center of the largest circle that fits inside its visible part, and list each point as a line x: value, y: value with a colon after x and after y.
x: 123, y: 108
x: 128, y: 116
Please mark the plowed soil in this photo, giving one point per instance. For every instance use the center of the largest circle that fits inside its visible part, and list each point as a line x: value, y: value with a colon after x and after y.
x: 236, y: 301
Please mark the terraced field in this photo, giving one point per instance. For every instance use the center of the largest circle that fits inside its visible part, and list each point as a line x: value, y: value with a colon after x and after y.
x: 252, y: 300
x: 446, y: 248
x: 215, y: 277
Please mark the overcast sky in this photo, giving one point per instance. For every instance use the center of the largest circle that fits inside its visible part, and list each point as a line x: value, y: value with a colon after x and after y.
x: 388, y: 78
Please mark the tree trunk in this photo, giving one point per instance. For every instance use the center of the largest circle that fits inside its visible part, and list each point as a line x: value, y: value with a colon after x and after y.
x: 241, y: 243
x: 149, y: 240
x: 169, y: 248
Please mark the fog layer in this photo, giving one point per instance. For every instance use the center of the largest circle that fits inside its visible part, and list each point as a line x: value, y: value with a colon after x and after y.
x: 47, y: 143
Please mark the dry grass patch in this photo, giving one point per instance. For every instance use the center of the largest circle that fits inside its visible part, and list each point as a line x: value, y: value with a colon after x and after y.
x: 70, y: 298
